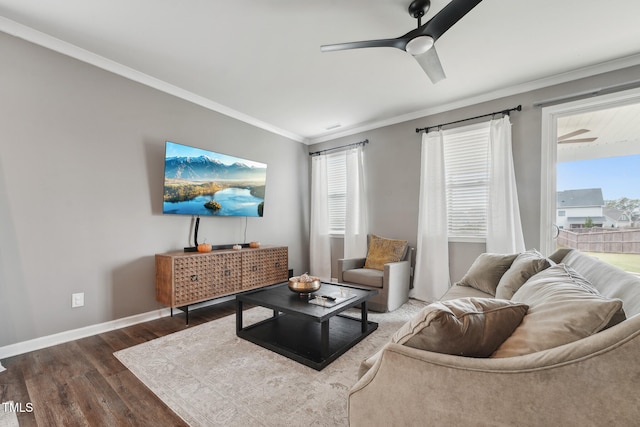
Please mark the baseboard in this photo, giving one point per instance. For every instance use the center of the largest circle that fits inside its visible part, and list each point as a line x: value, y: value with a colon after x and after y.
x: 87, y: 331
x: 74, y: 334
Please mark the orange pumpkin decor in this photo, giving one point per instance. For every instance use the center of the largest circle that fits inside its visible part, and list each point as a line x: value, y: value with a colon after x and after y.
x: 204, y: 247
x: 254, y: 244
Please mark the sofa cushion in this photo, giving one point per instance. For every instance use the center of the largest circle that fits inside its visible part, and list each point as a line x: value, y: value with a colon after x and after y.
x: 486, y: 271
x: 382, y: 251
x: 563, y: 307
x: 609, y: 280
x: 364, y: 276
x: 458, y: 291
x: 524, y: 266
x: 472, y: 327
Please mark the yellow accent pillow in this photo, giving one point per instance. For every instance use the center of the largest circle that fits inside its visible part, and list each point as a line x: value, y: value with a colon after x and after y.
x: 382, y: 251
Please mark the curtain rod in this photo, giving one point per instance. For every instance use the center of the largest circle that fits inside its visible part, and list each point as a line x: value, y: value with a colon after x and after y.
x: 504, y: 112
x: 317, y: 153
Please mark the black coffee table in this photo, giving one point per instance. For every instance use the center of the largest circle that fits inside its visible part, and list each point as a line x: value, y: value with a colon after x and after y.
x: 313, y: 335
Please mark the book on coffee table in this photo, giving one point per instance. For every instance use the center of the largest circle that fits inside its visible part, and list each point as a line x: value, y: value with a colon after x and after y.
x: 330, y: 299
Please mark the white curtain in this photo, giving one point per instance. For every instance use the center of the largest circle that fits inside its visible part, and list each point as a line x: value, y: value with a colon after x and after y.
x: 431, y: 278
x: 504, y: 229
x: 355, y: 229
x: 319, y: 243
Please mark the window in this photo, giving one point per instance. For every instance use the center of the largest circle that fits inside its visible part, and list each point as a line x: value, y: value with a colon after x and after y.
x: 466, y: 151
x: 623, y: 144
x: 337, y: 189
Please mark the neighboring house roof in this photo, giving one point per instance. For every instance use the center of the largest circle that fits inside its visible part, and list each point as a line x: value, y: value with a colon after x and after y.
x: 615, y: 214
x: 580, y: 198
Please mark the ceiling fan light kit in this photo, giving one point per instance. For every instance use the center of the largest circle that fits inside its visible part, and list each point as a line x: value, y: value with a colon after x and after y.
x: 419, y: 45
x: 420, y: 42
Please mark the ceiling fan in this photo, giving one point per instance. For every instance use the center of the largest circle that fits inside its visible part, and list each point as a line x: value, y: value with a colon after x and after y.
x: 568, y: 138
x: 420, y: 42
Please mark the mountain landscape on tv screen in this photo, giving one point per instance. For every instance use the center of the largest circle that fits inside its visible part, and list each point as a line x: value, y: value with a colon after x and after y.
x: 203, y: 185
x: 204, y: 168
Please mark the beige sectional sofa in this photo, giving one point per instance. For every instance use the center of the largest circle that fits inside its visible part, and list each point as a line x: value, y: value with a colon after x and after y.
x: 593, y: 381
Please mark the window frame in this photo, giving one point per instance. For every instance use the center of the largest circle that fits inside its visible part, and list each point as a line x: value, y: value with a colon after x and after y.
x: 549, y: 152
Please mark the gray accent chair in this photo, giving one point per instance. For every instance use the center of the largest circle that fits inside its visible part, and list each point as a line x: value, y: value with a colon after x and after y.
x: 392, y: 283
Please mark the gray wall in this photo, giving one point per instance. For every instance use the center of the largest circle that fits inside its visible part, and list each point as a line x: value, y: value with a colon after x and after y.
x: 81, y: 157
x: 81, y: 173
x: 392, y: 163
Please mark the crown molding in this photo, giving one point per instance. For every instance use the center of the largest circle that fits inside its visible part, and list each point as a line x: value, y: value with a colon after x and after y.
x: 592, y: 70
x: 34, y: 36
x: 39, y: 38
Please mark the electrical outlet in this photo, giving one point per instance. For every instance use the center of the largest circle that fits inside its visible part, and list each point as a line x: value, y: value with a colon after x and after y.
x: 77, y: 300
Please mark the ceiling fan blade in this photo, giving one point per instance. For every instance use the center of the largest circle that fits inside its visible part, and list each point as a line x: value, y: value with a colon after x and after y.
x: 572, y: 134
x: 430, y: 63
x: 397, y: 43
x: 567, y: 141
x: 446, y: 18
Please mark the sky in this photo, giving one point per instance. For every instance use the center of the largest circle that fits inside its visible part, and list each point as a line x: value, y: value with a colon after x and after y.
x: 617, y: 176
x: 179, y: 150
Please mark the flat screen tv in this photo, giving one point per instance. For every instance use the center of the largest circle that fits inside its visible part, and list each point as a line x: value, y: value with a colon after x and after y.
x: 198, y: 182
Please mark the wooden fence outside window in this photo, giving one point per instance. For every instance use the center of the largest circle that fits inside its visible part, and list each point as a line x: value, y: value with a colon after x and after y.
x: 618, y: 240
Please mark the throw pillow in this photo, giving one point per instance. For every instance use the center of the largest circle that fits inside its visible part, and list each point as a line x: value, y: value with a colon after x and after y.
x: 524, y: 266
x: 486, y: 271
x: 472, y: 327
x: 382, y: 251
x: 563, y: 307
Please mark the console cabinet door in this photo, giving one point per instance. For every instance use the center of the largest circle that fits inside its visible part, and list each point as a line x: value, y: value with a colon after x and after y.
x: 193, y: 279
x: 227, y: 273
x: 264, y: 267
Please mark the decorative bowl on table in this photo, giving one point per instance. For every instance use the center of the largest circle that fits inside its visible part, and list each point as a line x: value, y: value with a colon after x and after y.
x: 304, y: 285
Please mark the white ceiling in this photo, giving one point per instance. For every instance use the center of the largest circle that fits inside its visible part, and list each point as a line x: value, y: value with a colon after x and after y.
x: 260, y: 61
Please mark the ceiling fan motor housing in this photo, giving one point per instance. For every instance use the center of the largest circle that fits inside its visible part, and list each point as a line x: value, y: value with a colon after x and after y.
x: 419, y: 8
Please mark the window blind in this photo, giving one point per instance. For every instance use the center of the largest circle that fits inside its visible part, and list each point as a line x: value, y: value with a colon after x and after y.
x: 337, y: 191
x: 467, y: 180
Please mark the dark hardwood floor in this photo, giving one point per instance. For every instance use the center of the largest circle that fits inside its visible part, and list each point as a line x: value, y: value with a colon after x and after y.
x: 81, y: 383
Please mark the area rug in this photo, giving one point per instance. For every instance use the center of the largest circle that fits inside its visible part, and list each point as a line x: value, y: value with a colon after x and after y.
x: 210, y: 377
